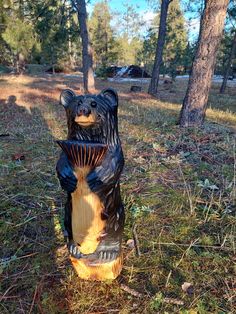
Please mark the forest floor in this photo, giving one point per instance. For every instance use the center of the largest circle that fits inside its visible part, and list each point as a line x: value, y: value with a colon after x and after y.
x: 178, y: 188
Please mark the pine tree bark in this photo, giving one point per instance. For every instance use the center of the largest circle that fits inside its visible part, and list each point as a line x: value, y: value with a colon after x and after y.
x: 195, y: 101
x: 87, y: 51
x: 228, y: 66
x: 159, y: 50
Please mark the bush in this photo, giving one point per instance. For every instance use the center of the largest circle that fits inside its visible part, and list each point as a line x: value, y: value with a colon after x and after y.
x: 101, y: 71
x: 4, y: 69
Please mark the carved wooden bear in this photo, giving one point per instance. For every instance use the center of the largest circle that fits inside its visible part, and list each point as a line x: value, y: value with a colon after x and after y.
x: 94, y: 214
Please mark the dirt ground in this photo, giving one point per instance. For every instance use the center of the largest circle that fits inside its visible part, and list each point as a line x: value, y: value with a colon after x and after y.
x: 178, y: 187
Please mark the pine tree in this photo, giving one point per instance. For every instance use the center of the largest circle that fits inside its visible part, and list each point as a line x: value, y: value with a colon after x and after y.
x: 131, y: 21
x: 128, y: 51
x: 229, y: 63
x: 176, y: 40
x: 18, y: 33
x: 152, y: 89
x: 128, y: 36
x: 56, y: 26
x: 54, y: 29
x: 195, y: 101
x: 4, y: 51
x: 102, y: 35
x: 149, y: 44
x: 87, y: 51
x: 231, y: 53
x: 177, y: 52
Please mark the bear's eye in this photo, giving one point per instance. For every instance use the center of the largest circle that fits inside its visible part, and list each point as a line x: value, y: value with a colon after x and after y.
x: 93, y: 104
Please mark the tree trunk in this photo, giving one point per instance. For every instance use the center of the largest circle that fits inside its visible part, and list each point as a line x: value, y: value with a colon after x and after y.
x: 17, y: 64
x: 71, y: 56
x: 52, y: 59
x: 21, y: 63
x: 87, y: 53
x: 159, y: 50
x: 228, y: 66
x: 195, y: 101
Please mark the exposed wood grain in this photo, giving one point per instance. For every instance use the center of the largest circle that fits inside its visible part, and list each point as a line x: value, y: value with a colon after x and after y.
x: 104, y: 271
x: 87, y: 224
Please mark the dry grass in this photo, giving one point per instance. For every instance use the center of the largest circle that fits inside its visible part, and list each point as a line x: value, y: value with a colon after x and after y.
x: 178, y: 188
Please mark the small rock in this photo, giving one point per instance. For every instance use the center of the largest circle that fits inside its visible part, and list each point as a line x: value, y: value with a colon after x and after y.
x: 188, y: 288
x: 18, y: 157
x: 130, y: 243
x: 135, y: 88
x: 167, y: 82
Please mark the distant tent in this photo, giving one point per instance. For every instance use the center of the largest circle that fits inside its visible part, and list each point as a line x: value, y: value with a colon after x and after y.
x: 112, y: 71
x: 131, y: 71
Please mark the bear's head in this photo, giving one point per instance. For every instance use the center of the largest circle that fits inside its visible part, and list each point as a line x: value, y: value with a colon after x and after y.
x: 92, y: 118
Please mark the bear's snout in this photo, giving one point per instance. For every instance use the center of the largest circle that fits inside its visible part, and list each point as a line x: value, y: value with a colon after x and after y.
x: 84, y: 116
x: 84, y: 111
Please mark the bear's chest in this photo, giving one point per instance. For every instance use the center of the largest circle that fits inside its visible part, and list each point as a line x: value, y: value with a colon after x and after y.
x: 87, y: 208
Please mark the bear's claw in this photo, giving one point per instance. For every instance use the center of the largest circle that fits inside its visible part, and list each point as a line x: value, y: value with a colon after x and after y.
x: 74, y: 250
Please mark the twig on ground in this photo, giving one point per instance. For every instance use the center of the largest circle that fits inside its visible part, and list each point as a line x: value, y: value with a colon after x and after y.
x: 109, y: 311
x: 214, y: 247
x: 186, y: 252
x: 131, y: 291
x: 168, y: 278
x: 33, y: 301
x: 28, y: 255
x: 3, y: 296
x: 173, y: 301
x: 25, y: 222
x: 136, y: 241
x: 9, y: 297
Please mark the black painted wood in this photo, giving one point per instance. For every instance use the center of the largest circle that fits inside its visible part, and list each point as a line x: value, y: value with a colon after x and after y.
x: 104, y: 177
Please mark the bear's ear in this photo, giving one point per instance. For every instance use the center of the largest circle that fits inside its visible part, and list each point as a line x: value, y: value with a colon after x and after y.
x: 66, y: 97
x: 111, y: 95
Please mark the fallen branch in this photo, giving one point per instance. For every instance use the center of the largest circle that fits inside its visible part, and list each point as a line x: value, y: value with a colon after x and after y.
x: 28, y: 255
x: 33, y: 301
x: 173, y: 301
x: 3, y: 296
x: 25, y: 222
x: 8, y: 297
x: 136, y: 241
x: 131, y: 291
x: 214, y: 247
x: 140, y: 295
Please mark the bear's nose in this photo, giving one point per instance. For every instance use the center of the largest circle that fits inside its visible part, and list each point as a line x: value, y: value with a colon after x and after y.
x: 84, y: 111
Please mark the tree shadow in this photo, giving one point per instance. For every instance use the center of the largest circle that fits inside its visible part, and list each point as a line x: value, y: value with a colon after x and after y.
x: 31, y: 190
x: 33, y: 205
x: 33, y: 250
x: 48, y: 83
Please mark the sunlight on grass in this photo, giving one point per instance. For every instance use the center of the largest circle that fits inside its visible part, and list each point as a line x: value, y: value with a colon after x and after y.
x: 224, y: 117
x: 178, y: 188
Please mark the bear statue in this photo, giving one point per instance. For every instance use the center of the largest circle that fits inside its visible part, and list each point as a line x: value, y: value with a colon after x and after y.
x: 89, y: 170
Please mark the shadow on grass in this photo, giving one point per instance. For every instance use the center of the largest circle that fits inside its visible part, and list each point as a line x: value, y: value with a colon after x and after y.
x: 48, y: 83
x: 168, y: 100
x: 33, y: 253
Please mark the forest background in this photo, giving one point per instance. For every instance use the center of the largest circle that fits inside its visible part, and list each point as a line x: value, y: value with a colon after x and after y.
x: 47, y: 33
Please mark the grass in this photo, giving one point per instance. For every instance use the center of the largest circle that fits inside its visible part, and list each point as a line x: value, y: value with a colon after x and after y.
x: 178, y: 187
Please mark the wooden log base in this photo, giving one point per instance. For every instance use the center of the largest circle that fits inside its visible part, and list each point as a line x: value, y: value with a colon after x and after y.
x: 102, y: 272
